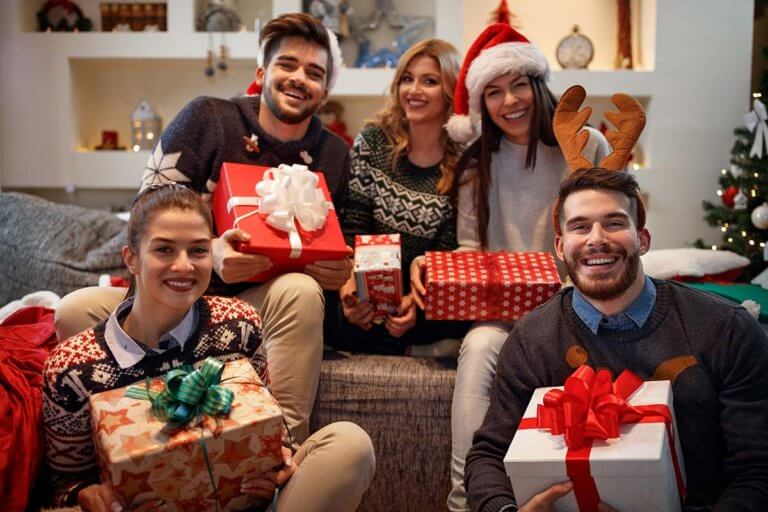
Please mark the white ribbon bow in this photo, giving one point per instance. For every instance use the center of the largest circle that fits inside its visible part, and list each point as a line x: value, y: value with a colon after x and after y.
x: 288, y: 194
x: 756, y: 122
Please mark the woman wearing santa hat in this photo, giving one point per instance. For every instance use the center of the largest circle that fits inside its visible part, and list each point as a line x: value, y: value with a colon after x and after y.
x: 505, y: 186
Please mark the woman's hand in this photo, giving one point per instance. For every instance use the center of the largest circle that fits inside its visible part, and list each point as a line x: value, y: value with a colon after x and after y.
x: 418, y: 266
x: 101, y: 498
x: 399, y: 324
x: 264, y: 486
x: 356, y: 312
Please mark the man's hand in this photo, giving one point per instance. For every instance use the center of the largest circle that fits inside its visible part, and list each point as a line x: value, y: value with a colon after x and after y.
x: 399, y: 324
x: 418, y: 291
x: 234, y: 266
x: 356, y: 312
x: 101, y: 498
x: 545, y: 500
x: 264, y: 486
x: 331, y: 274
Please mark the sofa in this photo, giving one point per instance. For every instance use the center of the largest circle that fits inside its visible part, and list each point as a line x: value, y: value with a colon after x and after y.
x: 403, y: 403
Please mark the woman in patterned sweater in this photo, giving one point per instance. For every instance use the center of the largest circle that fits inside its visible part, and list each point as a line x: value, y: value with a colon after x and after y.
x: 164, y: 323
x: 402, y: 167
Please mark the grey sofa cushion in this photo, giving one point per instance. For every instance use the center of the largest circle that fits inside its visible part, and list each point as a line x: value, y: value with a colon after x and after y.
x: 404, y: 404
x: 51, y: 246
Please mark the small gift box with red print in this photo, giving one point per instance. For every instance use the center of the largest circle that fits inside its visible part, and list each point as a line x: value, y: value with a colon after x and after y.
x: 287, y: 210
x: 473, y: 285
x: 378, y: 274
x: 616, y: 441
x: 145, y: 457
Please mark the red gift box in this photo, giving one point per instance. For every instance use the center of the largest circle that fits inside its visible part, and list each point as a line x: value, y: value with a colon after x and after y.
x: 274, y: 205
x: 473, y: 285
x: 378, y: 273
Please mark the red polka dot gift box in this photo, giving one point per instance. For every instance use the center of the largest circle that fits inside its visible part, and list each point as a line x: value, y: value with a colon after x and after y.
x: 378, y: 273
x: 474, y: 285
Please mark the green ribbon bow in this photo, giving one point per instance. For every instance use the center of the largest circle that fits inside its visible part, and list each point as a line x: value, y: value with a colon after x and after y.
x: 188, y: 392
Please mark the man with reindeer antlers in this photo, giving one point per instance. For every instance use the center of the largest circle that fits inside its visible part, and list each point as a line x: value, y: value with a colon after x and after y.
x: 615, y: 317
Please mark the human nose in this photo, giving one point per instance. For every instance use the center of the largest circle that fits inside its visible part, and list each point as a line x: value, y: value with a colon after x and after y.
x: 299, y: 75
x: 182, y: 263
x: 596, y: 235
x: 510, y: 98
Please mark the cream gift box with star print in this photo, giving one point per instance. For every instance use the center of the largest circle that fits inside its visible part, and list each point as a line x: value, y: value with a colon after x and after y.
x: 474, y: 285
x: 287, y: 210
x: 145, y: 459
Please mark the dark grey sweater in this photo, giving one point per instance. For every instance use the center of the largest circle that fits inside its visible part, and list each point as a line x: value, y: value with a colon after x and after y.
x: 716, y: 356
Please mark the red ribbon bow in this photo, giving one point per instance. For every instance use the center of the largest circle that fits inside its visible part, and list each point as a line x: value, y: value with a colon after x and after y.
x: 591, y: 407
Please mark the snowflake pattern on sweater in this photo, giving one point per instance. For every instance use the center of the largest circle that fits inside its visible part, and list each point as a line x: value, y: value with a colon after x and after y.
x: 228, y: 328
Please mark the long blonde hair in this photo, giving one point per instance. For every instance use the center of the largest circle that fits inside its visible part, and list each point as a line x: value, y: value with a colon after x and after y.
x: 391, y: 119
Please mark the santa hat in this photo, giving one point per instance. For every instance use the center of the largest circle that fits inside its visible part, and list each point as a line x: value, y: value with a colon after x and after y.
x: 498, y: 50
x: 336, y: 62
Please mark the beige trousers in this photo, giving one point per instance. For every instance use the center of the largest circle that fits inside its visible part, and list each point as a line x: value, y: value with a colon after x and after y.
x: 291, y: 308
x: 336, y: 465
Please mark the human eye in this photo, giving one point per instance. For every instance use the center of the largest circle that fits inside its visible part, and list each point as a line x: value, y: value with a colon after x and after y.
x: 200, y: 251
x: 163, y: 250
x: 431, y: 82
x: 578, y: 228
x: 406, y: 79
x: 491, y: 93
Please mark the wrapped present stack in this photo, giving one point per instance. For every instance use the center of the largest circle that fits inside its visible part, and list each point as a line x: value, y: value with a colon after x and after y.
x: 378, y: 274
x: 614, y: 440
x: 473, y: 285
x: 286, y: 209
x: 145, y: 457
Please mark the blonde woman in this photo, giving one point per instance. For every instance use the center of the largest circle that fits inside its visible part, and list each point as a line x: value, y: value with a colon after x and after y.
x: 402, y: 171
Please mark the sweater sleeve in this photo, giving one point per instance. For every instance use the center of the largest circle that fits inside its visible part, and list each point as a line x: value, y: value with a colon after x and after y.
x: 358, y: 214
x: 488, y: 486
x: 467, y: 235
x: 740, y: 368
x: 69, y: 450
x: 188, y: 150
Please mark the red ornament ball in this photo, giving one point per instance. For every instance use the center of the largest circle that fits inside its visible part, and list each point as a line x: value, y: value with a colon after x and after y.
x: 729, y: 195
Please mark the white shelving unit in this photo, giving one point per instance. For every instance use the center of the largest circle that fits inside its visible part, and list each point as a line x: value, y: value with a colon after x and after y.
x: 59, y: 90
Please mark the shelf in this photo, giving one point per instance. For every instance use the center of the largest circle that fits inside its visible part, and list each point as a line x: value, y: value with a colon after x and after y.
x: 107, y: 169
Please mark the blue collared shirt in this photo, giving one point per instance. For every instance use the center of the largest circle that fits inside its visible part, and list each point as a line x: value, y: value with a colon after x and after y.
x: 128, y: 352
x: 633, y: 317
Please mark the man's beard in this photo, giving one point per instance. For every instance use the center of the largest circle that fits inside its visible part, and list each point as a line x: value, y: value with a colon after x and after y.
x: 609, y: 285
x: 288, y: 117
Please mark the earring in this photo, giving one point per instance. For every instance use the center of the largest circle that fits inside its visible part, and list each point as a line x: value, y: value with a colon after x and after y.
x: 222, y: 65
x: 209, y: 64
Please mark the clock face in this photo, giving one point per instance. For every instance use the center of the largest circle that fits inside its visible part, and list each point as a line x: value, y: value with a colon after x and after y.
x: 575, y: 52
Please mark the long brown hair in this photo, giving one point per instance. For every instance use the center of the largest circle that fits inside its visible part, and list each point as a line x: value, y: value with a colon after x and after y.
x: 478, y: 155
x: 157, y: 199
x: 391, y: 119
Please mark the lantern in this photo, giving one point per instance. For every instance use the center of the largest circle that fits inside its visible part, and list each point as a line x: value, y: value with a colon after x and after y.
x: 145, y: 126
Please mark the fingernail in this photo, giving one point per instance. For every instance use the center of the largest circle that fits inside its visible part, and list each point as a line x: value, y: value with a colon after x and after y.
x: 289, y: 462
x: 116, y: 507
x: 569, y: 485
x: 245, y: 487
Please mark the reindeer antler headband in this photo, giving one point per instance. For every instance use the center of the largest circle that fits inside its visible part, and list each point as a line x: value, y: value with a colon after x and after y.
x: 568, y: 124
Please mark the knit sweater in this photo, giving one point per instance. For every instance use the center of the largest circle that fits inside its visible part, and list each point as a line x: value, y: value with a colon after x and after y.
x: 210, y: 131
x: 404, y: 201
x: 83, y: 365
x: 716, y: 356
x: 520, y: 200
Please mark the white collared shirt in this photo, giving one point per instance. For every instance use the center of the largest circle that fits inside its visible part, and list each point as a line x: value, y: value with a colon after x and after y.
x: 128, y: 352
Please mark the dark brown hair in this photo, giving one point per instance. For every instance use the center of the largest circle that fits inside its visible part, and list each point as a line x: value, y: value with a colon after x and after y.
x: 156, y: 199
x: 296, y: 24
x: 598, y: 178
x: 479, y: 153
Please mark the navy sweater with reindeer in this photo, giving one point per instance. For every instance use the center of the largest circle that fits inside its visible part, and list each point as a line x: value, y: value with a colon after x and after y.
x: 716, y: 356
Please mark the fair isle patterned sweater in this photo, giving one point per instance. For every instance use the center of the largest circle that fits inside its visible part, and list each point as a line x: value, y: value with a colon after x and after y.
x: 404, y: 201
x: 228, y: 328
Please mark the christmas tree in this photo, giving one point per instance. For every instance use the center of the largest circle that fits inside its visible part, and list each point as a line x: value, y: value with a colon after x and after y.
x: 743, y: 215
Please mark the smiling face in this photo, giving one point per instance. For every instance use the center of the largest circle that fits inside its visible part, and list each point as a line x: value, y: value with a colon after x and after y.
x: 509, y: 100
x: 173, y: 266
x: 420, y: 91
x: 294, y: 84
x: 600, y: 244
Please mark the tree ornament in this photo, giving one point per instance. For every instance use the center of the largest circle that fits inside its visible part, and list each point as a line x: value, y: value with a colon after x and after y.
x: 736, y: 171
x: 729, y: 195
x: 759, y: 216
x: 756, y: 123
x: 740, y: 201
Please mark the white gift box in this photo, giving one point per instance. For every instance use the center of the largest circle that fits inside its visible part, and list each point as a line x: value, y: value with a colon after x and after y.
x: 632, y: 473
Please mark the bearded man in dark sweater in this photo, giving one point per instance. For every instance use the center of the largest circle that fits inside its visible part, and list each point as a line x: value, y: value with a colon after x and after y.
x: 615, y: 317
x: 301, y: 61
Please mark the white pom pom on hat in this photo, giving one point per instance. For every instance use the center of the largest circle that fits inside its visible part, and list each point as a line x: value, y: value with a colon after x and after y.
x: 498, y: 50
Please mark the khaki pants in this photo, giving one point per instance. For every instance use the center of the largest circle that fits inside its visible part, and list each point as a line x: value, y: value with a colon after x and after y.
x: 291, y: 307
x: 336, y: 465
